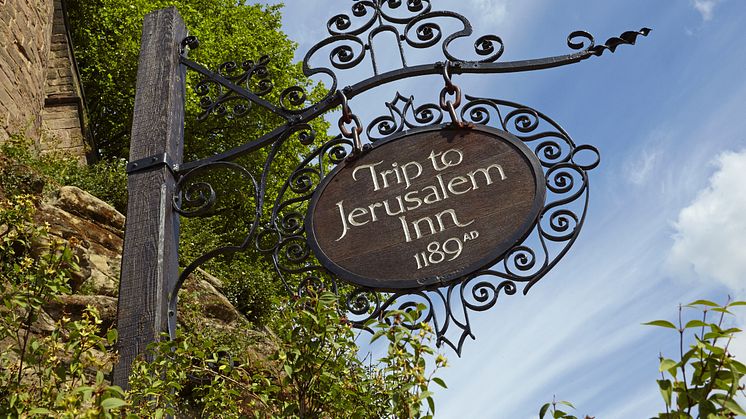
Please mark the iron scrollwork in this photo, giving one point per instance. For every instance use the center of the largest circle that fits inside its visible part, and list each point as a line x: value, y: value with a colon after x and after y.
x: 415, y: 26
x: 276, y: 228
x: 448, y: 308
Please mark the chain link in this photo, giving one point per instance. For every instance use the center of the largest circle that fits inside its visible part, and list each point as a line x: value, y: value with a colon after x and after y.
x: 349, y: 118
x: 452, y: 90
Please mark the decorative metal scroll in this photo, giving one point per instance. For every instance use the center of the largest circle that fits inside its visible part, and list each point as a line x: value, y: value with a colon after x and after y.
x: 565, y: 166
x: 235, y: 87
x: 276, y: 228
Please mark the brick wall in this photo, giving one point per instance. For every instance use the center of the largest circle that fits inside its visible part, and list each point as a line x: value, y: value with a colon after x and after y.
x: 40, y: 94
x: 25, y: 31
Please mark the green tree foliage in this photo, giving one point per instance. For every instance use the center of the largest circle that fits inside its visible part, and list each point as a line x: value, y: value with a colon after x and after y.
x: 308, y: 366
x: 107, y: 34
x: 702, y: 382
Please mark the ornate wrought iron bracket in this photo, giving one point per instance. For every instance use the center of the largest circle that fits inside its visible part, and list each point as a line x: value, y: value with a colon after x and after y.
x: 233, y: 89
x: 578, y: 40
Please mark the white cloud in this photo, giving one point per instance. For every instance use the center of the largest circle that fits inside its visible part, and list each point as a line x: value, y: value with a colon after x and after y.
x: 638, y: 170
x: 705, y: 8
x: 642, y: 162
x: 710, y: 239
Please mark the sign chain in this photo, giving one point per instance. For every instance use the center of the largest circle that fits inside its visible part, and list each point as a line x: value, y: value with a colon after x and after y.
x: 350, y: 118
x: 453, y: 90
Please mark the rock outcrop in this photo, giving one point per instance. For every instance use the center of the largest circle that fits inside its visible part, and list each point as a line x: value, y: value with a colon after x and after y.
x: 95, y: 232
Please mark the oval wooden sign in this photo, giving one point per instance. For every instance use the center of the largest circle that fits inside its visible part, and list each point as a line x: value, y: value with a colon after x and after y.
x: 426, y: 207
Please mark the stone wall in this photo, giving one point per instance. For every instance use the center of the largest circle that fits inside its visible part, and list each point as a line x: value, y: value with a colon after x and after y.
x: 40, y: 93
x: 63, y: 113
x: 25, y: 35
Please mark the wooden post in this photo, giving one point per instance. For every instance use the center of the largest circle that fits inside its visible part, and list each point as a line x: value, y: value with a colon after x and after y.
x: 149, y: 261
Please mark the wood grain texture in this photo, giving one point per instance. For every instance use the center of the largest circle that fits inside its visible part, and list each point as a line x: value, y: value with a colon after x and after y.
x: 149, y: 260
x: 427, y: 208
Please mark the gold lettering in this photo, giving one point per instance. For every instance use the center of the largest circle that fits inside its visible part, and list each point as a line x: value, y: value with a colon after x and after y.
x: 453, y: 183
x: 416, y: 225
x: 452, y: 213
x: 372, y: 208
x: 486, y: 172
x: 355, y: 213
x: 429, y: 198
x: 385, y: 176
x: 388, y: 210
x: 344, y: 220
x: 411, y: 197
x: 407, y: 178
x: 373, y: 175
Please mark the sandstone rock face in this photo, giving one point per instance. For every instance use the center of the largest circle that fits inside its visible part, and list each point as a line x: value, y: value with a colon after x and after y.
x: 80, y: 202
x: 74, y: 305
x: 95, y: 232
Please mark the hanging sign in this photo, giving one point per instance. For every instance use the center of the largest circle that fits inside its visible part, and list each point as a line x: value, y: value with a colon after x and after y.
x: 426, y: 207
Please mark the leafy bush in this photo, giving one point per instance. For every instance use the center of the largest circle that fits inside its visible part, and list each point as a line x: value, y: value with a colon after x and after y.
x: 311, y: 370
x: 702, y: 382
x: 60, y: 373
x: 24, y: 172
x: 307, y: 367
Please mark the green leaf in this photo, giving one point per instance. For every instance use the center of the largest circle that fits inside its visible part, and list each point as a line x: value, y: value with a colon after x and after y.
x: 377, y: 335
x: 661, y: 323
x: 566, y: 403
x: 703, y: 303
x: 425, y: 394
x: 116, y: 389
x: 327, y: 297
x: 112, y: 403
x: 543, y: 410
x: 738, y: 366
x: 111, y: 335
x: 40, y: 411
x: 439, y: 381
x: 666, y: 391
x: 695, y: 323
x: 288, y: 370
x: 731, y: 405
x: 721, y: 310
x: 737, y: 303
x: 667, y: 364
x: 559, y: 414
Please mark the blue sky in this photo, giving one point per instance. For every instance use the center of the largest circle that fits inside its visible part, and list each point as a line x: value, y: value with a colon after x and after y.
x: 666, y: 221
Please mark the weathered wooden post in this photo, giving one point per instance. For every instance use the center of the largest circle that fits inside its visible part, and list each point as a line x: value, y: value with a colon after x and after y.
x: 149, y: 260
